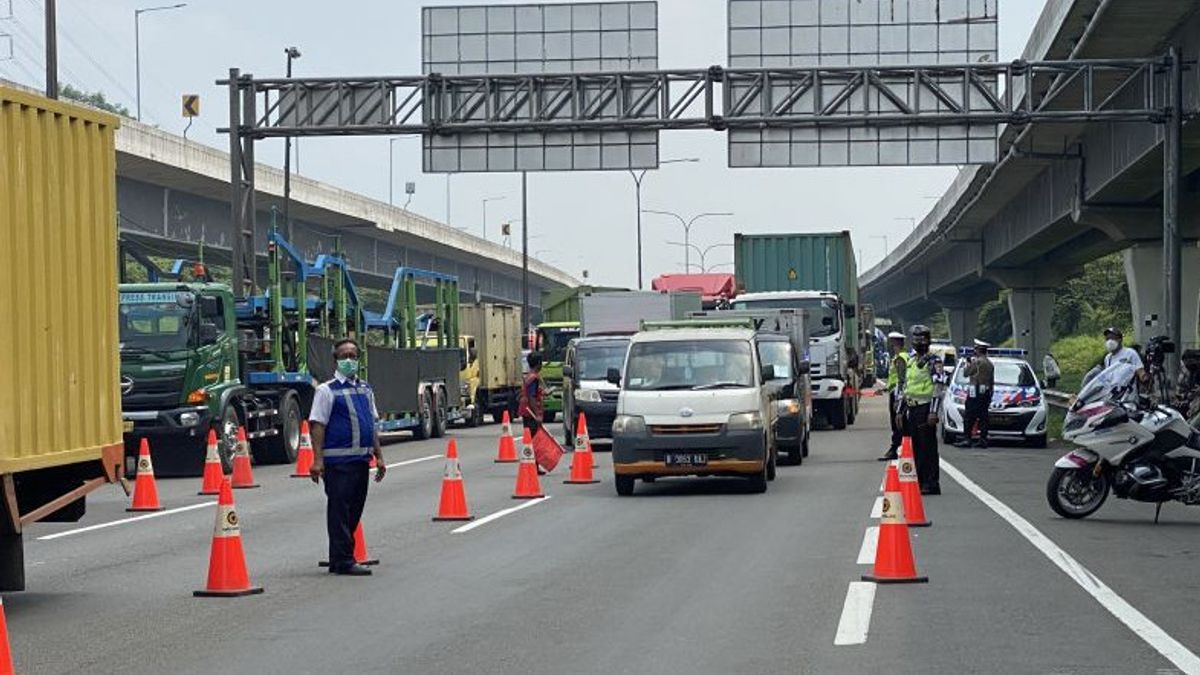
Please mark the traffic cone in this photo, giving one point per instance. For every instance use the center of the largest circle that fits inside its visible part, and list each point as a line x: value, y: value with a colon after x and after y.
x: 453, y: 504
x: 528, y: 486
x: 243, y: 477
x: 507, y: 453
x: 213, y: 472
x: 304, y: 457
x: 910, y: 489
x: 893, y: 554
x: 581, y: 459
x: 6, y: 662
x: 145, y: 490
x: 360, y: 549
x: 227, y: 576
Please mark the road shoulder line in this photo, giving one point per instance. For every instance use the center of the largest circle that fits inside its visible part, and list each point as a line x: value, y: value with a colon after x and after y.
x: 499, y: 514
x: 866, y: 554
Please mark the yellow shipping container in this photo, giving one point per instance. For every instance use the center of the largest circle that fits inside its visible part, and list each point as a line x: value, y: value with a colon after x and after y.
x: 59, y: 359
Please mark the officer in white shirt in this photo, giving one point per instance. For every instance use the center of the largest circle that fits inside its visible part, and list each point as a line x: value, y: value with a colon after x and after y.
x: 1115, y: 353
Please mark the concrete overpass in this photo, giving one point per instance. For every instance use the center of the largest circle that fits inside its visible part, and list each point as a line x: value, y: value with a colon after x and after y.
x: 174, y: 194
x: 1062, y: 195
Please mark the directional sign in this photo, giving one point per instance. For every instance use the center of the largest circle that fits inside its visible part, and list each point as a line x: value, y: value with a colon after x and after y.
x: 191, y: 105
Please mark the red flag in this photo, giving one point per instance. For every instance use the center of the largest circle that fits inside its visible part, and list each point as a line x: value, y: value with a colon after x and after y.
x: 546, y: 451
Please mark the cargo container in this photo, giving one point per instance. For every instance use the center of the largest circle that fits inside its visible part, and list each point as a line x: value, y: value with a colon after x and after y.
x: 815, y: 273
x: 60, y: 430
x: 621, y: 312
x: 561, y: 305
x: 491, y: 382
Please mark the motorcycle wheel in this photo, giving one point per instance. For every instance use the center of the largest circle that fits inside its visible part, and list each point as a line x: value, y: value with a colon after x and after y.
x: 1076, y: 493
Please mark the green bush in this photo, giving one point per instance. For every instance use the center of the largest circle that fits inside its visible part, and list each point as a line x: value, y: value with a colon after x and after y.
x: 1076, y: 355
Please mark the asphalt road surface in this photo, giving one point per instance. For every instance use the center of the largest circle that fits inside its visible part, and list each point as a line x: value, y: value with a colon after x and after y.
x: 687, y: 576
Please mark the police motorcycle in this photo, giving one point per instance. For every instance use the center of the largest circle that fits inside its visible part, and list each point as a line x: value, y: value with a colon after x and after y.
x: 1136, y: 449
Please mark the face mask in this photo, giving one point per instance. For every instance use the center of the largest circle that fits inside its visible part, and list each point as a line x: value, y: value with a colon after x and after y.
x: 348, y: 367
x: 1111, y: 345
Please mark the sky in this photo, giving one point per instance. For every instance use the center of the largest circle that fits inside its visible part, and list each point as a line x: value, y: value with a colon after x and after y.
x: 578, y: 221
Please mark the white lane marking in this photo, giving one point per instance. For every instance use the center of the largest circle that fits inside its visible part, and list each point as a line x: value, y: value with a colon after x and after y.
x: 883, y: 483
x: 866, y: 554
x: 856, y: 614
x: 124, y: 521
x: 1139, y: 623
x: 414, y: 461
x: 877, y: 508
x: 499, y: 514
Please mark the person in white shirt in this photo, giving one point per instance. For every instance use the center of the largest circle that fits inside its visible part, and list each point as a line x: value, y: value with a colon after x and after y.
x: 1116, y: 353
x: 1050, y: 370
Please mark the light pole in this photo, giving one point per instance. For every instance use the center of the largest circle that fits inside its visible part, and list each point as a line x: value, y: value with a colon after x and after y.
x: 702, y: 252
x: 137, y: 46
x: 392, y: 171
x: 637, y: 182
x: 292, y: 54
x: 887, y: 250
x: 687, y: 228
x: 483, y: 229
x: 910, y: 220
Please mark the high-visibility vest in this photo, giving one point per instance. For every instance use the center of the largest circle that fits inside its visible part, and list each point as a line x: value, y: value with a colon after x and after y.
x: 893, y: 377
x: 350, y: 433
x: 918, y: 385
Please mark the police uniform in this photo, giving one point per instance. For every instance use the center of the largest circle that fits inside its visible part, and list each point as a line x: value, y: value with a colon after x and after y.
x: 923, y: 382
x: 346, y: 408
x: 895, y: 387
x: 982, y: 376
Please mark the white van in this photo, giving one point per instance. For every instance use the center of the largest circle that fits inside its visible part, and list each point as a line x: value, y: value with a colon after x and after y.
x: 694, y: 402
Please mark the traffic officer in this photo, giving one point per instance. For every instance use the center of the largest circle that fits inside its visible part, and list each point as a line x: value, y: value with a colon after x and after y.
x: 343, y: 436
x: 923, y: 382
x: 895, y: 387
x: 981, y: 374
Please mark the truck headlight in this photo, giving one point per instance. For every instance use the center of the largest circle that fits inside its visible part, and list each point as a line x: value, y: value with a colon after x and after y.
x: 747, y: 421
x: 833, y: 366
x: 629, y: 424
x: 587, y: 395
x: 789, y: 406
x: 189, y: 419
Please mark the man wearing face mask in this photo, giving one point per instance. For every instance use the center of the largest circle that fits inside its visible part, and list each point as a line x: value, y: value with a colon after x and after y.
x: 923, y: 382
x: 344, y: 438
x: 1115, y: 353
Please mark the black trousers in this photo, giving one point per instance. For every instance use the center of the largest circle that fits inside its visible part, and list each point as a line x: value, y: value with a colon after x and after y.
x: 976, y: 412
x: 897, y: 429
x: 531, y: 424
x: 346, y: 490
x: 925, y: 446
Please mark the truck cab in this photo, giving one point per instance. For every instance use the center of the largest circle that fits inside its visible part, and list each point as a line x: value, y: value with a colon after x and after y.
x: 552, y: 341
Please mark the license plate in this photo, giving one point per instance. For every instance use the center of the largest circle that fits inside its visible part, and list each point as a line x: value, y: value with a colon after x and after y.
x: 686, y: 459
x: 128, y: 425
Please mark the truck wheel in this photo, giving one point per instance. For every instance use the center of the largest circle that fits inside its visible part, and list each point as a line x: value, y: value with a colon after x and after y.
x: 424, y: 428
x: 837, y: 414
x: 439, y: 414
x: 758, y: 482
x: 476, y: 418
x: 283, y: 446
x: 624, y: 485
x: 227, y: 436
x: 771, y: 464
x: 804, y: 446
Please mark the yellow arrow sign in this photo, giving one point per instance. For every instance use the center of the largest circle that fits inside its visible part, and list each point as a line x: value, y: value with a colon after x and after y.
x: 191, y: 105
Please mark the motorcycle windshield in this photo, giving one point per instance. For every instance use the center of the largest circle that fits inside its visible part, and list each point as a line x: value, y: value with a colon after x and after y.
x: 1116, y: 377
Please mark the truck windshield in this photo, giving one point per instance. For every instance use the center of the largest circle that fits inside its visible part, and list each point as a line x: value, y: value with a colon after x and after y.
x: 824, y: 315
x: 699, y: 364
x: 592, y: 360
x: 155, y: 326
x: 552, y: 342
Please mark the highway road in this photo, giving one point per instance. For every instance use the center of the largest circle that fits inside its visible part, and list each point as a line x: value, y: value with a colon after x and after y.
x: 687, y: 576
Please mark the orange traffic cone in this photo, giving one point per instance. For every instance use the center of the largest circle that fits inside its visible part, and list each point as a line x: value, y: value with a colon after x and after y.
x: 360, y: 549
x: 528, y: 486
x: 145, y: 490
x: 213, y: 472
x: 453, y: 504
x: 304, y: 457
x: 243, y: 477
x: 581, y: 459
x: 6, y: 662
x: 227, y: 576
x: 893, y: 554
x: 910, y: 489
x: 507, y: 453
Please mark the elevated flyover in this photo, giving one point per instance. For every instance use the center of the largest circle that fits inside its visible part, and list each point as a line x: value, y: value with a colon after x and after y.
x: 1061, y: 194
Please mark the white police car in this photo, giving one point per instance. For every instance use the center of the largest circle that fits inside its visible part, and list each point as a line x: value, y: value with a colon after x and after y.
x: 1018, y: 408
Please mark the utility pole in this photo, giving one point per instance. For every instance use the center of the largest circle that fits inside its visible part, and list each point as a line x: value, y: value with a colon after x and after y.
x: 1172, y: 241
x: 292, y: 54
x: 137, y: 45
x: 51, y: 49
x: 524, y: 250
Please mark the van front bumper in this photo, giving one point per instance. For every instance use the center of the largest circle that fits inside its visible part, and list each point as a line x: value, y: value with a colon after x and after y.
x: 728, y: 453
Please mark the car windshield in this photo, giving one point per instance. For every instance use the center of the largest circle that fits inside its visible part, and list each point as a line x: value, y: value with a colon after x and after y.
x: 593, y: 359
x: 692, y: 364
x: 552, y: 342
x: 154, y: 325
x: 823, y: 316
x: 1008, y: 373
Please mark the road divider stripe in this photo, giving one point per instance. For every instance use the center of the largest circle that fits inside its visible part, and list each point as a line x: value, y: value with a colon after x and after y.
x: 877, y: 508
x: 124, y: 521
x: 856, y: 614
x: 1139, y: 623
x: 866, y: 554
x: 499, y: 514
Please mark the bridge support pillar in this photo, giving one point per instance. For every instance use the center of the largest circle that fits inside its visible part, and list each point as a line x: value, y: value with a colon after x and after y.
x: 1031, y: 310
x: 1144, y: 272
x: 963, y: 323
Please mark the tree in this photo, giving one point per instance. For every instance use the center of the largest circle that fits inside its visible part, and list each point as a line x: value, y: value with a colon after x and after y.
x: 995, y: 321
x: 95, y: 99
x: 1094, y: 300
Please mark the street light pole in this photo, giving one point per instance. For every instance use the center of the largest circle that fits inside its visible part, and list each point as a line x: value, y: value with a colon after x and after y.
x: 137, y: 47
x: 292, y: 54
x: 637, y: 183
x: 687, y: 229
x: 391, y: 171
x: 702, y: 252
x: 51, y: 48
x: 483, y: 228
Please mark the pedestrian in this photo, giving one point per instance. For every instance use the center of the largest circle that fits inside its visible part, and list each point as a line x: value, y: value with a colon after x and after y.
x: 923, y: 382
x: 344, y: 438
x: 895, y: 387
x: 531, y: 406
x: 981, y: 378
x: 1115, y: 353
x: 1050, y: 370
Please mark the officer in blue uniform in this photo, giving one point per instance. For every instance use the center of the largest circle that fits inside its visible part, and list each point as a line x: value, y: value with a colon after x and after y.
x: 343, y: 435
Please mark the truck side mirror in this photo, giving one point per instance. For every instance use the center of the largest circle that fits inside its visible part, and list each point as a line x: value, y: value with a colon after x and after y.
x: 614, y: 376
x: 848, y: 311
x: 768, y: 373
x: 208, y: 334
x: 804, y: 368
x: 568, y: 372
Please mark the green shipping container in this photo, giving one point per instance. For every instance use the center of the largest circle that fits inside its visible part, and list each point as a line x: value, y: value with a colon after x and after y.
x: 562, y: 304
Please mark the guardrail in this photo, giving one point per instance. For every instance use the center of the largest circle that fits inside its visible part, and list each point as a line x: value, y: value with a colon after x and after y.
x: 1058, y: 399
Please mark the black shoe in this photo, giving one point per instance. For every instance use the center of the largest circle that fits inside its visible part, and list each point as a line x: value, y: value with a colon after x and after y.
x: 889, y: 456
x: 355, y: 570
x: 935, y: 490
